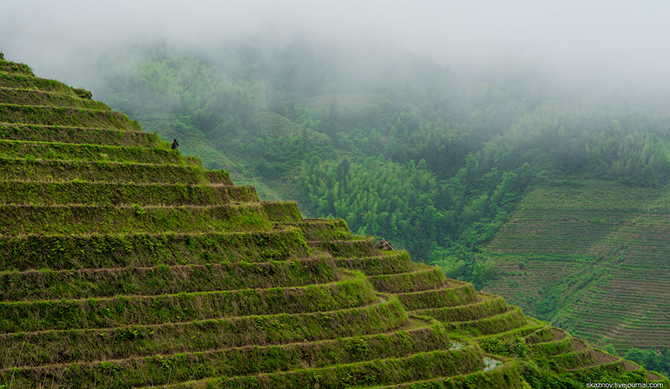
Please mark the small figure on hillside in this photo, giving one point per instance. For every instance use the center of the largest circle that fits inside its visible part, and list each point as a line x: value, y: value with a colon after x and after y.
x: 175, y: 145
x: 384, y: 245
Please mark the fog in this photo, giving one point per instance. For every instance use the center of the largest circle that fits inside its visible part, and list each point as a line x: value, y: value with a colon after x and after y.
x: 578, y: 43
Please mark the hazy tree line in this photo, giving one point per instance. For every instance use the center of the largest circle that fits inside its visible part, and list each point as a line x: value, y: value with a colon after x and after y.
x: 652, y: 359
x: 407, y: 152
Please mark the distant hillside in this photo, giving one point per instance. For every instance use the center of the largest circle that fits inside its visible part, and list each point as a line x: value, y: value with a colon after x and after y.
x: 406, y: 151
x: 591, y: 256
x: 125, y: 265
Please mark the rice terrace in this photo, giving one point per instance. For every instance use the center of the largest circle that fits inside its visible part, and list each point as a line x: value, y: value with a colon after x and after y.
x: 126, y: 265
x: 596, y: 253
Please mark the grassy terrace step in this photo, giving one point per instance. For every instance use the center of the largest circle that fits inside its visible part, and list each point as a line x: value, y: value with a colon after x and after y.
x: 554, y: 347
x: 366, y: 247
x: 21, y: 220
x: 630, y: 366
x: 575, y: 359
x: 281, y: 212
x: 532, y: 326
x: 56, y: 116
x: 324, y: 229
x: 452, y: 293
x: 27, y: 169
x: 504, y: 322
x: 148, y: 250
x: 544, y: 334
x: 242, y: 361
x: 87, y: 152
x: 79, y: 135
x: 652, y: 376
x: 52, y: 346
x: 26, y: 81
x: 77, y: 284
x: 488, y: 305
x: 387, y: 263
x: 379, y: 372
x: 350, y: 292
x: 33, y: 97
x: 50, y: 193
x: 422, y: 278
x: 17, y: 68
x: 507, y: 376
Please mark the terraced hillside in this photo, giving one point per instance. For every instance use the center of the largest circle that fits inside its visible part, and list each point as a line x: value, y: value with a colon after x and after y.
x: 595, y: 252
x: 126, y: 265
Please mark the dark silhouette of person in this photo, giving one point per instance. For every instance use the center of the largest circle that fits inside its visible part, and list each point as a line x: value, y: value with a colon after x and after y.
x: 175, y: 144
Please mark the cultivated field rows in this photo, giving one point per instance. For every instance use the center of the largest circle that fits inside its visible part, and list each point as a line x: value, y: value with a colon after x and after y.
x: 616, y: 239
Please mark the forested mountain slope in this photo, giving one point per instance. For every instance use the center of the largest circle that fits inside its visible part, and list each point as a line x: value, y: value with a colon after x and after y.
x: 405, y: 150
x: 125, y: 264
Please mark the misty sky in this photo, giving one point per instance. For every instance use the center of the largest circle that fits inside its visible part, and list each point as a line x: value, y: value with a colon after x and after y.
x: 607, y: 41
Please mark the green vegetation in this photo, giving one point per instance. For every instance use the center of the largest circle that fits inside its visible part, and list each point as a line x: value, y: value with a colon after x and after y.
x: 100, y: 136
x: 35, y: 97
x: 66, y: 116
x: 434, y: 165
x: 594, y: 263
x: 165, y: 308
x: 651, y: 359
x: 102, y: 193
x: 124, y: 264
x: 386, y: 264
x: 90, y: 153
x: 50, y: 347
x: 243, y: 361
x: 77, y: 284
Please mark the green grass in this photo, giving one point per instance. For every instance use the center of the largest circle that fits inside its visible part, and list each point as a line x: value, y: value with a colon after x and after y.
x: 422, y: 278
x: 105, y: 219
x: 574, y: 359
x: 509, y: 320
x: 64, y: 116
x: 348, y: 248
x: 102, y: 193
x: 452, y: 294
x: 118, y: 311
x: 562, y: 346
x: 16, y: 68
x: 80, y: 135
x: 389, y: 263
x: 487, y: 306
x: 29, y: 168
x: 324, y: 230
x: 67, y: 346
x: 77, y: 284
x: 89, y: 152
x: 509, y: 376
x: 147, y: 250
x: 383, y: 371
x: 33, y: 97
x: 248, y: 360
x: 27, y: 81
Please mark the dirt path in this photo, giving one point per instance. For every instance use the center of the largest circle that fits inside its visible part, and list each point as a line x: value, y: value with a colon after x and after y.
x: 579, y: 345
x: 558, y: 335
x: 630, y: 366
